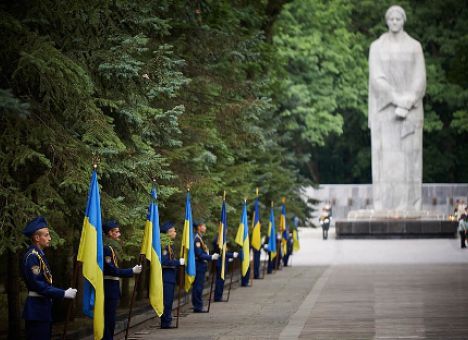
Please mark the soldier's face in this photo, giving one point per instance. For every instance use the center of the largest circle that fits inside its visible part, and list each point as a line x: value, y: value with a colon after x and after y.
x: 202, y: 228
x: 42, y: 238
x: 114, y: 234
x: 172, y: 233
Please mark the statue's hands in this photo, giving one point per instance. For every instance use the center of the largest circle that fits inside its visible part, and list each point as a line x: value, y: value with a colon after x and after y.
x: 404, y: 101
x: 400, y: 112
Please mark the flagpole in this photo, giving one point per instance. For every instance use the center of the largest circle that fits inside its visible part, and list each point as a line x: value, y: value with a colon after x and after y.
x: 76, y: 268
x: 181, y: 277
x: 137, y: 280
x: 213, y: 273
x: 71, y: 304
x: 230, y: 283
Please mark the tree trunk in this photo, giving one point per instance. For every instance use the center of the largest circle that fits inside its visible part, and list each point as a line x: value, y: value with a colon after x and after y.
x: 12, y: 287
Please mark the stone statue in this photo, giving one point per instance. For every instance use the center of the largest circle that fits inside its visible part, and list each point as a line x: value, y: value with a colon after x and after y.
x: 397, y: 83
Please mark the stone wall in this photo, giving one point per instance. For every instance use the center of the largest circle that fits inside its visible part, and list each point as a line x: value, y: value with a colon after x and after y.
x: 437, y: 197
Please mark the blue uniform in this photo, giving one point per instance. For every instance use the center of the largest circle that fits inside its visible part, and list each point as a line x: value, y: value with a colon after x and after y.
x: 202, y: 256
x: 256, y: 262
x: 271, y: 264
x: 219, y: 287
x: 289, y: 248
x: 244, y: 279
x: 169, y: 272
x: 112, y: 275
x: 37, y: 311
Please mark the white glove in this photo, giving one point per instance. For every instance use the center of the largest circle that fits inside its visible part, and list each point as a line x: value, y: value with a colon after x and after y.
x: 230, y: 260
x: 265, y: 246
x: 181, y: 261
x: 235, y: 254
x: 137, y: 269
x: 70, y: 293
x: 215, y: 256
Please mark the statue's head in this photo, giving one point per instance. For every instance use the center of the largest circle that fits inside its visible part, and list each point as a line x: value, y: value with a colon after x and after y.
x: 395, y: 18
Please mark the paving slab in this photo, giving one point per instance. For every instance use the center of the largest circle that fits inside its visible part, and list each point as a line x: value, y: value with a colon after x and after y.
x: 344, y: 289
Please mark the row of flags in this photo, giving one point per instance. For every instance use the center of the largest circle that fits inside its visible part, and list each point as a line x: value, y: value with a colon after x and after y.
x: 90, y: 251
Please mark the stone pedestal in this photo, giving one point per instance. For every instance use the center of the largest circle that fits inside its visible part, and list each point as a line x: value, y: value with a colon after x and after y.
x: 416, y: 228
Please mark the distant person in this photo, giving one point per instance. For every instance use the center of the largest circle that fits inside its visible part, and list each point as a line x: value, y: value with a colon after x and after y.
x: 325, y: 220
x: 462, y: 226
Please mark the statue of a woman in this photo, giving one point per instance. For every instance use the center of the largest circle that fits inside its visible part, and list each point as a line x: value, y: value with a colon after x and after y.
x: 397, y: 83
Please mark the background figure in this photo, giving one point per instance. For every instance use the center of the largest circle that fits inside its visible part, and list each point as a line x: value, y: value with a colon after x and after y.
x: 219, y: 286
x: 169, y: 270
x: 202, y: 256
x: 325, y: 220
x: 462, y: 226
x: 289, y: 248
x: 397, y: 83
x: 112, y: 275
x: 37, y: 275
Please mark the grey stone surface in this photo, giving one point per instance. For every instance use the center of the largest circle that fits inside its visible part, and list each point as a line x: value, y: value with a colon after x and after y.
x: 344, y: 289
x: 446, y: 195
x: 394, y: 228
x: 397, y: 83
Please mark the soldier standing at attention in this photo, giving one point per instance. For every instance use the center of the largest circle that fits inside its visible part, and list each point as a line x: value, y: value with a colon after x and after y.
x: 169, y: 270
x: 202, y: 256
x: 112, y: 275
x: 38, y: 278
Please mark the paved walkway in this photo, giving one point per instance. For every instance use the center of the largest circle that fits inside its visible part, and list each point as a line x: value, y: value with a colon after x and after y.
x: 344, y: 289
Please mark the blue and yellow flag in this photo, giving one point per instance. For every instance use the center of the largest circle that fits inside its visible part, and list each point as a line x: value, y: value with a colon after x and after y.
x: 256, y: 237
x: 283, y: 228
x: 296, y: 245
x: 187, y: 251
x: 272, y: 234
x: 222, y: 236
x: 90, y: 254
x: 242, y: 239
x: 151, y: 248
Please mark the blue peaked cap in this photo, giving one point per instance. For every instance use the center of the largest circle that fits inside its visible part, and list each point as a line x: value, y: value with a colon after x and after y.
x: 38, y: 223
x: 195, y: 223
x: 108, y: 225
x: 164, y: 228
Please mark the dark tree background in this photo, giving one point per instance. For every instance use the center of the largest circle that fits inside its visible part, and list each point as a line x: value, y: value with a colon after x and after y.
x: 224, y: 95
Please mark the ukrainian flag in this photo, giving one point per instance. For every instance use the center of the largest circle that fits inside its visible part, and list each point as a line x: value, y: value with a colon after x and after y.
x: 256, y: 238
x: 222, y: 237
x: 151, y: 248
x: 187, y: 251
x: 283, y: 228
x: 296, y: 245
x: 272, y: 234
x: 242, y: 239
x: 90, y: 254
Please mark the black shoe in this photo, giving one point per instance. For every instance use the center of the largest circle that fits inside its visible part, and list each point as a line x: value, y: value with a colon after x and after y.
x: 200, y: 311
x: 168, y: 327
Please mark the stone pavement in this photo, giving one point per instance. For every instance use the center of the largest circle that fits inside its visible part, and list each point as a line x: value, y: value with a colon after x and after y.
x: 344, y: 289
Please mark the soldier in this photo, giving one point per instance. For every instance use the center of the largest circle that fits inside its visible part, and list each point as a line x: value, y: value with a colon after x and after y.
x: 219, y: 287
x: 202, y: 256
x: 38, y: 278
x: 289, y: 247
x: 169, y: 271
x: 112, y: 275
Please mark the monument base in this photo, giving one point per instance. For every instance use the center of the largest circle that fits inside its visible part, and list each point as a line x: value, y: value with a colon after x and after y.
x: 395, y: 228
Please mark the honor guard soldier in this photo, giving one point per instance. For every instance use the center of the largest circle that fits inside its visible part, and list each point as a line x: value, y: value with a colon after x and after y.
x: 112, y: 275
x: 202, y: 256
x: 219, y: 287
x: 289, y: 247
x: 169, y: 271
x: 38, y: 278
x: 271, y: 263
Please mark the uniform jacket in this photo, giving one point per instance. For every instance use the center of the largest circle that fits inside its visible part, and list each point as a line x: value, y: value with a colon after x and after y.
x: 202, y: 254
x: 169, y: 264
x: 38, y: 278
x: 111, y: 269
